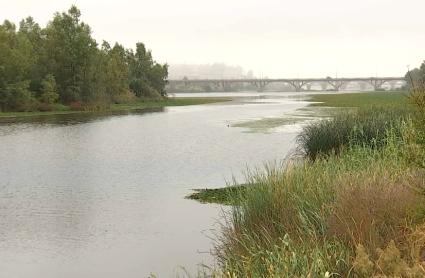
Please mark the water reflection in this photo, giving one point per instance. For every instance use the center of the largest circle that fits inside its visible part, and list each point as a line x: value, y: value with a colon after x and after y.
x: 75, y: 118
x: 102, y: 195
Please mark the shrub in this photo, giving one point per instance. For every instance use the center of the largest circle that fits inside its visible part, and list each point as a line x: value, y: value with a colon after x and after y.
x: 17, y: 97
x: 366, y: 127
x: 94, y: 106
x: 76, y: 105
x: 49, y: 94
x: 417, y: 97
x: 389, y: 263
x: 44, y: 107
x: 126, y: 97
x: 372, y: 210
x: 307, y: 218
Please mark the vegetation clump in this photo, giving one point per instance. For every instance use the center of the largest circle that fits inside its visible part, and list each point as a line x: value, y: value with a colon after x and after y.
x: 354, y: 208
x: 224, y: 196
x: 62, y: 64
x: 366, y: 126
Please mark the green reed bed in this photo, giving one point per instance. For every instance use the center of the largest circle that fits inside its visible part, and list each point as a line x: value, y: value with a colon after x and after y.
x: 355, y: 207
x: 308, y: 219
x: 366, y: 126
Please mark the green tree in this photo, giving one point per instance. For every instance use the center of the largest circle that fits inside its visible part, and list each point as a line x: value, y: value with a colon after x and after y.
x: 62, y: 62
x: 16, y: 59
x: 416, y: 76
x: 147, y: 78
x: 158, y: 78
x: 71, y: 51
x: 35, y: 35
x: 49, y: 93
x: 117, y: 72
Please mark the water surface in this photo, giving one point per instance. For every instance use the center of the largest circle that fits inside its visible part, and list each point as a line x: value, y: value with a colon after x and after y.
x: 103, y: 195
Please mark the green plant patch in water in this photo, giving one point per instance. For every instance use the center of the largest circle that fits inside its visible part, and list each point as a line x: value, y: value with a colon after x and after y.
x: 267, y: 124
x: 230, y: 195
x: 300, y: 116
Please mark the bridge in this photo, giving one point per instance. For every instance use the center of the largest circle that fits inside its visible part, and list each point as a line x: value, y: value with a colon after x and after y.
x: 297, y: 83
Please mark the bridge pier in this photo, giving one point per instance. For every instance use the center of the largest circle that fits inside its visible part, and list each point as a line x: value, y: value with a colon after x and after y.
x: 297, y: 84
x: 260, y: 84
x: 377, y: 83
x: 324, y: 86
x: 336, y: 84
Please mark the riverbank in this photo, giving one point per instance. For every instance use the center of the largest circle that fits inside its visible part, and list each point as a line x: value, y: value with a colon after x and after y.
x: 363, y: 99
x: 354, y: 207
x: 397, y: 99
x: 138, y: 105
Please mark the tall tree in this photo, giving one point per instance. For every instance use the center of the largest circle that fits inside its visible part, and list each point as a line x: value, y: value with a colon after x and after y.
x: 71, y: 50
x: 16, y: 58
x: 49, y: 93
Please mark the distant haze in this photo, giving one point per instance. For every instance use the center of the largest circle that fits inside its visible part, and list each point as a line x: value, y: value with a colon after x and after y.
x: 208, y: 71
x: 274, y: 38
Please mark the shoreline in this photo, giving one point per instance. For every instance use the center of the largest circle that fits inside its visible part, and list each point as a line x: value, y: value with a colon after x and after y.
x: 227, y: 194
x: 116, y: 108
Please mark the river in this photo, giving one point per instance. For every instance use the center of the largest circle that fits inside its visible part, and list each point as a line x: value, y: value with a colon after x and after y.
x: 103, y: 195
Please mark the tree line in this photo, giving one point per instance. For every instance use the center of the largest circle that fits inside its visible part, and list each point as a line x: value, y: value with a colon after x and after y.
x: 41, y: 68
x: 416, y: 76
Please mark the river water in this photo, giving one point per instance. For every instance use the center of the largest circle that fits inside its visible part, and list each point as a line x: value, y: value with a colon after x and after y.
x: 103, y: 195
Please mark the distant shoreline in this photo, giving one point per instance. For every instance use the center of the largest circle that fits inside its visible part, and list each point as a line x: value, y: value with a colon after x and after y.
x: 139, y: 105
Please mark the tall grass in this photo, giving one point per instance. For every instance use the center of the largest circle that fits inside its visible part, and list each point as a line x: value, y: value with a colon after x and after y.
x: 365, y: 126
x: 355, y: 207
x: 307, y: 220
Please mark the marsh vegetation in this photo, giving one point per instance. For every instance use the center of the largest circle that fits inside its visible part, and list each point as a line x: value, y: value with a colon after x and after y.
x: 354, y: 206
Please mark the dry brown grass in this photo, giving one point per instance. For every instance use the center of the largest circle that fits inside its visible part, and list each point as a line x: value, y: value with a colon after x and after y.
x: 373, y: 211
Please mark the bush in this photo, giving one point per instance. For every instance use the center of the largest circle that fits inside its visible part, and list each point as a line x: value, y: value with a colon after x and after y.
x: 76, y: 105
x: 45, y: 107
x: 417, y: 97
x: 372, y: 210
x: 17, y: 97
x: 126, y: 97
x: 94, y: 106
x: 365, y: 127
x: 307, y: 219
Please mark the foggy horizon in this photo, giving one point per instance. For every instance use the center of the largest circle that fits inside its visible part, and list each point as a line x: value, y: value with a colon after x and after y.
x: 275, y: 39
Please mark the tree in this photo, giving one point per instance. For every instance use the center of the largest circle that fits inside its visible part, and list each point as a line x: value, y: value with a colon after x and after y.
x: 17, y: 97
x: 62, y: 62
x: 117, y: 72
x: 71, y: 51
x: 16, y: 58
x: 49, y: 93
x: 32, y: 31
x: 158, y: 78
x: 147, y: 78
x: 416, y: 76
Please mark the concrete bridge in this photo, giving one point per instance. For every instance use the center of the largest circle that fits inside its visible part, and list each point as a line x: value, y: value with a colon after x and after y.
x: 297, y: 83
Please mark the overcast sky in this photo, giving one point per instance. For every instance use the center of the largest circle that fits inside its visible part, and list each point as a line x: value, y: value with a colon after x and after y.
x: 274, y: 38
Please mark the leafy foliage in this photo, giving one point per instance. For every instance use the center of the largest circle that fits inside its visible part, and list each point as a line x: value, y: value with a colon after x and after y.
x: 366, y: 126
x: 62, y: 62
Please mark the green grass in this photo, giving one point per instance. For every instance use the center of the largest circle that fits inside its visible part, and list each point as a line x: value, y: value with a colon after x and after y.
x: 366, y: 126
x: 267, y: 124
x: 139, y: 105
x: 360, y: 213
x: 360, y: 99
x: 306, y: 220
x: 225, y: 196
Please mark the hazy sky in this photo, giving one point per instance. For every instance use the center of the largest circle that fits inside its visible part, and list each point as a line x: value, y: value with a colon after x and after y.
x: 297, y: 38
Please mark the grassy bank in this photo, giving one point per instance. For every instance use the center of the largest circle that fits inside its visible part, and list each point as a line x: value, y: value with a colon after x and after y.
x: 379, y: 111
x: 360, y: 99
x: 330, y: 216
x: 229, y: 195
x: 354, y: 209
x: 139, y: 105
